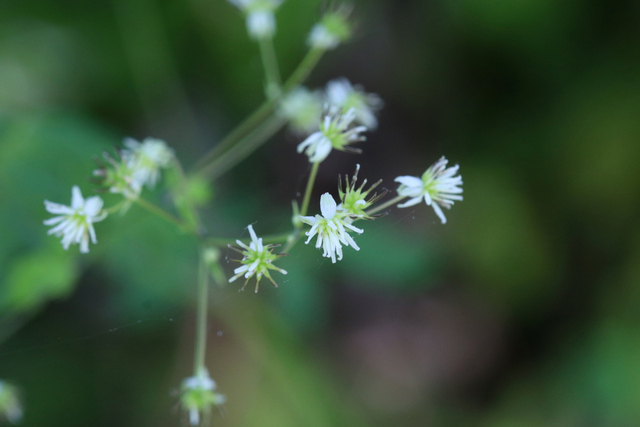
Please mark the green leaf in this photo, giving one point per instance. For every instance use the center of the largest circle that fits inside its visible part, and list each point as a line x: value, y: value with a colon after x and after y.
x: 37, y: 277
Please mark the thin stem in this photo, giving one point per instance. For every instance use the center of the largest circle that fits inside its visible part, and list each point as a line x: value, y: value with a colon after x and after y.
x: 160, y: 212
x: 292, y: 239
x: 243, y: 148
x: 255, y: 119
x: 307, y: 192
x: 303, y: 70
x: 192, y: 213
x: 385, y: 205
x: 201, y: 325
x: 270, y: 64
x: 115, y: 208
x: 262, y: 113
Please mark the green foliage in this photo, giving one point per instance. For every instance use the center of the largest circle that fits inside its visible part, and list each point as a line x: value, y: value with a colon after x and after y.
x: 37, y: 278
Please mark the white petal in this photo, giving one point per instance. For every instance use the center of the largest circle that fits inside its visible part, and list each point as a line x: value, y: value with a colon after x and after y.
x: 327, y: 206
x: 323, y: 148
x: 409, y: 181
x: 438, y: 212
x: 410, y: 202
x: 56, y: 208
x: 92, y: 206
x: 77, y: 201
x: 54, y: 220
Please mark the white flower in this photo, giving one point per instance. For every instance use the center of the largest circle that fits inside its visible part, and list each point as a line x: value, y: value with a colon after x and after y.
x: 261, y: 21
x: 335, y: 132
x: 355, y: 201
x: 437, y: 187
x: 303, y: 109
x: 257, y: 260
x: 340, y: 92
x: 75, y: 222
x: 145, y: 160
x: 197, y: 395
x: 332, y: 30
x: 118, y: 176
x: 331, y: 229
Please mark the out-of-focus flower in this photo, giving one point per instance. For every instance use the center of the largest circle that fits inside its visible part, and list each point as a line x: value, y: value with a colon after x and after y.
x: 257, y: 260
x: 146, y: 159
x: 10, y: 406
x: 198, y: 396
x: 331, y: 228
x: 75, y: 223
x: 117, y: 176
x: 342, y: 93
x: 335, y: 132
x: 437, y: 187
x: 303, y: 109
x: 354, y: 200
x: 332, y: 30
x: 261, y: 20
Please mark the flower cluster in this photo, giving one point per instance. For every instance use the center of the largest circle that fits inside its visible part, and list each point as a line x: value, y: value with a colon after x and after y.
x: 336, y: 131
x: 257, y: 260
x: 303, y: 108
x: 138, y: 166
x: 75, y: 223
x: 342, y: 93
x: 331, y: 228
x: 198, y: 396
x: 438, y: 187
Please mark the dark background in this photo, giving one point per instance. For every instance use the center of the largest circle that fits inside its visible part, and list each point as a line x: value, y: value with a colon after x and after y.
x: 521, y: 311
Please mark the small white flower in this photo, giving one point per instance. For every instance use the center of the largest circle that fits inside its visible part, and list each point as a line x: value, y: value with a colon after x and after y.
x: 303, y: 109
x: 145, y: 160
x: 342, y: 93
x: 75, y: 223
x: 331, y: 229
x: 335, y: 132
x: 118, y: 176
x: 332, y: 30
x: 355, y: 201
x: 197, y: 396
x: 261, y: 21
x: 257, y: 260
x: 437, y: 187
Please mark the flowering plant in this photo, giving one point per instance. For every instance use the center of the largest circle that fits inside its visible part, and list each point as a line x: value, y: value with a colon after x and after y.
x: 323, y: 121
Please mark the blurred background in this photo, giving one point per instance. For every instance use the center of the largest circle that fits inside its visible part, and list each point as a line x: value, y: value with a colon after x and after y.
x: 521, y: 311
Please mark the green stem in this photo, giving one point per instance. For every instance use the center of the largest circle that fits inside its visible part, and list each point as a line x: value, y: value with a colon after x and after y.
x: 270, y: 64
x: 307, y: 192
x: 303, y: 70
x: 243, y: 148
x: 294, y: 236
x: 201, y: 325
x: 262, y: 113
x: 191, y: 215
x: 292, y: 239
x: 250, y: 123
x: 115, y: 208
x: 160, y: 213
x: 385, y: 205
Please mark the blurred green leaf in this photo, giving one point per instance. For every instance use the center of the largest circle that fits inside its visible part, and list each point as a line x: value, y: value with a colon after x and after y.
x: 37, y: 277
